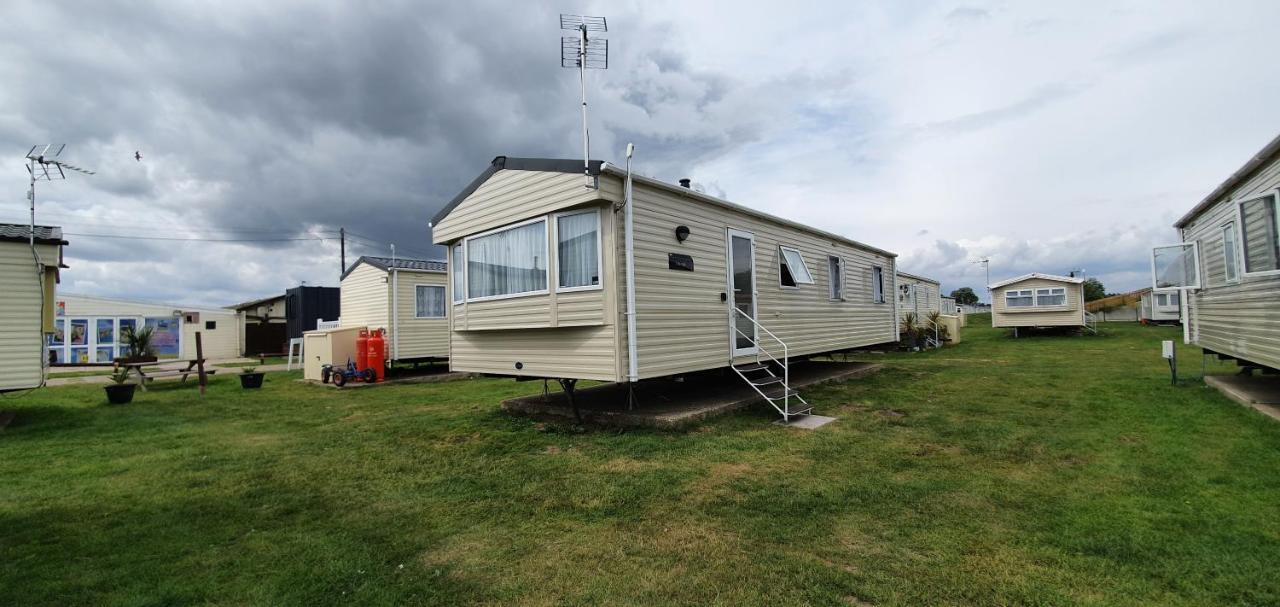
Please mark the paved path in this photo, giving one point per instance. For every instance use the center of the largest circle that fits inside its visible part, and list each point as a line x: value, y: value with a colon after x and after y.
x: 106, y: 379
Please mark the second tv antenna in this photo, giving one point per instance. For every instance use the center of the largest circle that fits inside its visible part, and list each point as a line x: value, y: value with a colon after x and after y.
x: 585, y: 53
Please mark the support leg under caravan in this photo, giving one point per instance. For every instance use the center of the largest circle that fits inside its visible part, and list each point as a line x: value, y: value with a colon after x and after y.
x: 568, y: 385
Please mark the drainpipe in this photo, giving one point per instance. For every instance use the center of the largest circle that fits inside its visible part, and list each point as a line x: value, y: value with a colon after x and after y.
x: 395, y: 306
x: 633, y: 366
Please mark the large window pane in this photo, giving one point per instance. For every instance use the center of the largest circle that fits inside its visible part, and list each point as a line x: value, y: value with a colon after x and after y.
x: 1051, y: 297
x: 1231, y: 267
x: 1261, y: 234
x: 456, y: 269
x: 1175, y: 267
x: 430, y: 300
x: 577, y: 249
x: 1018, y: 299
x: 508, y: 262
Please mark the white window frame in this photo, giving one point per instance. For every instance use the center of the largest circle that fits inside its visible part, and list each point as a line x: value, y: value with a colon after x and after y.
x: 1232, y: 252
x: 444, y: 311
x: 1244, y: 262
x: 459, y: 250
x: 1019, y: 293
x: 782, y: 259
x: 877, y: 284
x: 1049, y: 292
x: 1162, y: 300
x: 554, y: 220
x: 1195, y: 252
x: 831, y: 284
x: 545, y: 251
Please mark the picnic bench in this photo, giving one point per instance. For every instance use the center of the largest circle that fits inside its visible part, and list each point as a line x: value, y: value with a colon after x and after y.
x: 157, y: 370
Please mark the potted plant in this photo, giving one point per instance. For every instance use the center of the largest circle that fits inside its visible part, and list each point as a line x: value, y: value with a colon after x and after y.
x: 138, y: 345
x: 911, y: 332
x: 119, y: 392
x: 251, y: 378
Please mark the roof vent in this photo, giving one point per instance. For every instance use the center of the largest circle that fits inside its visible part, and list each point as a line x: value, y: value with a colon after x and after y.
x: 684, y: 183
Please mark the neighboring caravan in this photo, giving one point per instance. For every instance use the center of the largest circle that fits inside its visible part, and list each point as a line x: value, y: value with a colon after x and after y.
x: 918, y: 295
x: 1039, y: 300
x: 539, y: 286
x: 1159, y: 308
x: 406, y: 297
x: 29, y: 277
x: 1232, y: 268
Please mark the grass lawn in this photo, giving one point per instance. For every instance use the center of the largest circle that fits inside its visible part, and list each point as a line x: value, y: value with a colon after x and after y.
x: 1041, y: 471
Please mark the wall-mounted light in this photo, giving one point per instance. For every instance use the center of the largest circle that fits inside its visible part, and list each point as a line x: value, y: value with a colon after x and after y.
x: 682, y: 233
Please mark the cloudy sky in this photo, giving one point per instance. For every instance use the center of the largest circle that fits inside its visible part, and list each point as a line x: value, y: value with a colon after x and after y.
x: 1047, y: 137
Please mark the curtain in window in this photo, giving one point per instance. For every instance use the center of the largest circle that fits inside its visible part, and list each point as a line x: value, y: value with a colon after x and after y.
x: 1261, y: 242
x: 578, y: 258
x: 1018, y: 299
x: 430, y: 302
x: 508, y: 262
x: 877, y: 284
x: 1051, y: 297
x: 456, y: 270
x: 837, y: 286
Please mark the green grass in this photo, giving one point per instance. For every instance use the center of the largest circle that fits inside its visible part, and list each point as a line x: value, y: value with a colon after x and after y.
x: 270, y: 360
x: 1041, y: 471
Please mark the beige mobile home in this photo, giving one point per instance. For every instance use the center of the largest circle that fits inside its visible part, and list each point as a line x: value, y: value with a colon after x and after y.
x: 1233, y: 235
x: 919, y: 295
x: 1160, y: 307
x: 539, y: 281
x: 404, y: 297
x: 1038, y: 300
x: 28, y: 278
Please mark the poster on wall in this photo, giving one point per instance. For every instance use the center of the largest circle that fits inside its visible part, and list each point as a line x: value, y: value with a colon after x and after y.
x: 79, y: 331
x: 60, y: 308
x: 58, y: 337
x: 106, y: 331
x: 79, y: 356
x: 166, y: 336
x: 104, y: 355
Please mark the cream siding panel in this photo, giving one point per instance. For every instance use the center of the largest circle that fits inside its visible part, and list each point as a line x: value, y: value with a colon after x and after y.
x: 419, y: 337
x: 21, y: 341
x: 681, y: 323
x: 576, y: 352
x: 1070, y: 315
x: 221, y: 342
x: 928, y: 297
x: 511, y: 196
x: 364, y: 297
x: 1241, y: 319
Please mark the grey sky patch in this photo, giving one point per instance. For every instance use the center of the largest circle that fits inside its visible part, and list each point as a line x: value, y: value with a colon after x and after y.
x: 968, y: 14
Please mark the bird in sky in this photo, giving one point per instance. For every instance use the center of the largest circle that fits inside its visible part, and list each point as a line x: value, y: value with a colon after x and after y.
x: 137, y: 155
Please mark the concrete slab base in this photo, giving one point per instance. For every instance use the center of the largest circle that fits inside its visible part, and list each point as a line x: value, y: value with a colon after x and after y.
x: 404, y: 379
x: 1261, y: 393
x: 669, y: 403
x: 808, y: 422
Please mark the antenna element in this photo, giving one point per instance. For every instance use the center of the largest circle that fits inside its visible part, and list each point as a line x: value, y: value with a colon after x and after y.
x: 584, y: 53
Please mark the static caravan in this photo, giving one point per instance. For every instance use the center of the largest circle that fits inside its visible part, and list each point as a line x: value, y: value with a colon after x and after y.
x: 949, y: 306
x: 1157, y: 308
x: 1038, y: 301
x: 919, y: 295
x: 90, y: 330
x: 28, y: 279
x: 1229, y: 265
x: 406, y: 298
x: 540, y: 287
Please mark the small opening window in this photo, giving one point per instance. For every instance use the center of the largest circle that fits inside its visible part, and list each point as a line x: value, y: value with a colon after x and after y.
x: 430, y: 302
x: 210, y: 325
x: 1230, y: 261
x: 1162, y: 299
x: 459, y: 262
x: 836, y: 271
x: 877, y: 284
x: 792, y: 270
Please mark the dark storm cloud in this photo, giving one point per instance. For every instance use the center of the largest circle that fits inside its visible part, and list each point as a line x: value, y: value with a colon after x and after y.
x: 296, y: 116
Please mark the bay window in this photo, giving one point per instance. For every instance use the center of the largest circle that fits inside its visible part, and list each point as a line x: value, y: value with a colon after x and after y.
x: 578, y: 250
x: 1056, y: 296
x: 511, y: 261
x: 459, y: 262
x: 1018, y: 299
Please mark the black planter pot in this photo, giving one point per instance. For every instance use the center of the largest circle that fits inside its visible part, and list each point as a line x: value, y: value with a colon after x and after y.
x: 251, y: 380
x: 120, y: 394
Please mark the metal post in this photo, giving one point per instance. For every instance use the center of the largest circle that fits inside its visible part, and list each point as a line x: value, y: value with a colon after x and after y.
x: 200, y: 364
x: 582, y: 80
x: 31, y: 194
x: 342, y: 247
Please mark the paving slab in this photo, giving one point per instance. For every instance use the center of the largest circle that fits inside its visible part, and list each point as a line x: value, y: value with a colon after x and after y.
x: 670, y: 403
x: 808, y: 422
x: 1258, y: 392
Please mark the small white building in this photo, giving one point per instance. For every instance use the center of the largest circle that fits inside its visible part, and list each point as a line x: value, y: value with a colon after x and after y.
x: 406, y: 298
x: 88, y: 330
x: 28, y: 279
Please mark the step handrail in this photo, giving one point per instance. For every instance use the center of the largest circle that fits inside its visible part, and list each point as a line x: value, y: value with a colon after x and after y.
x: 937, y: 333
x: 786, y: 368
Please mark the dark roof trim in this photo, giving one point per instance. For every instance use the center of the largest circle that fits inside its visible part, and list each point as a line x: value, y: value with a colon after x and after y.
x: 547, y: 165
x: 15, y: 232
x: 1249, y: 168
x: 400, y: 263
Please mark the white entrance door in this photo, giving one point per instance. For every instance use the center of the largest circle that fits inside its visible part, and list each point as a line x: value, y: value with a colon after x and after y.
x: 742, y: 291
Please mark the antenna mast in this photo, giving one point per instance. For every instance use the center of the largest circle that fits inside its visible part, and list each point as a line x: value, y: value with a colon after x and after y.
x: 43, y: 165
x: 584, y: 53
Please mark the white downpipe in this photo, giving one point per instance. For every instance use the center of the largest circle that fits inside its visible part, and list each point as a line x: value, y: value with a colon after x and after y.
x: 395, y: 314
x: 1185, y: 312
x: 633, y: 365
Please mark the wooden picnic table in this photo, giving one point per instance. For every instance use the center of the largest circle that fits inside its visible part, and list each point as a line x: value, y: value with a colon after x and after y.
x: 145, y: 375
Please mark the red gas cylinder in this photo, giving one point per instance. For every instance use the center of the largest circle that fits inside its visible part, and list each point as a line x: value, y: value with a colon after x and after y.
x: 362, y: 350
x: 377, y: 354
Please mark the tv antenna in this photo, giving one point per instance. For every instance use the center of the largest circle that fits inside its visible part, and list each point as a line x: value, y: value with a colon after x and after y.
x: 43, y: 165
x: 986, y: 265
x: 585, y: 53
